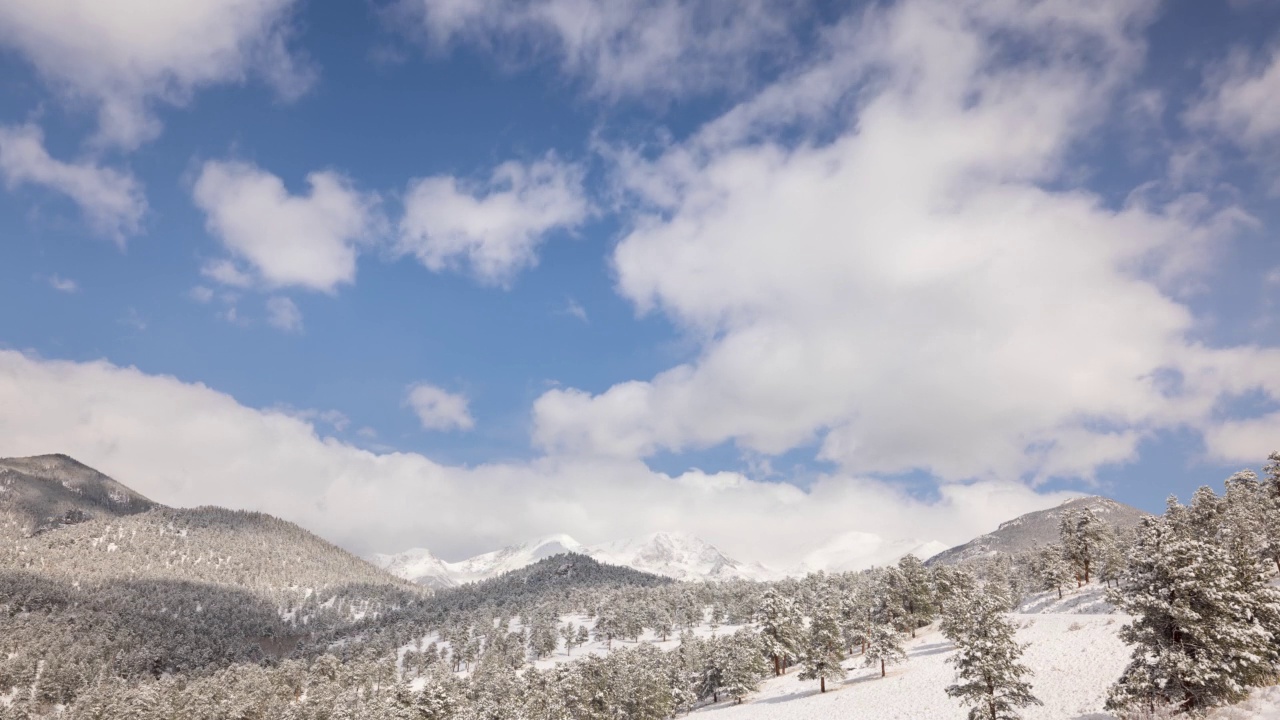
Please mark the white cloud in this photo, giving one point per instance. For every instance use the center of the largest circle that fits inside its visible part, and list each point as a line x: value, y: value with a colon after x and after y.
x: 112, y: 201
x: 920, y: 291
x: 283, y: 313
x: 495, y: 227
x: 438, y: 409
x: 1242, y: 100
x: 666, y: 47
x: 64, y: 285
x: 185, y: 444
x: 308, y: 241
x: 125, y: 57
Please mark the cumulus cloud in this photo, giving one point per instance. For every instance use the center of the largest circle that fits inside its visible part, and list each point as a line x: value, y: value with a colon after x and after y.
x: 283, y: 314
x: 186, y: 444
x: 112, y: 201
x: 438, y: 409
x: 125, y: 57
x: 309, y: 241
x: 924, y: 288
x: 492, y: 228
x: 1242, y: 99
x: 666, y: 47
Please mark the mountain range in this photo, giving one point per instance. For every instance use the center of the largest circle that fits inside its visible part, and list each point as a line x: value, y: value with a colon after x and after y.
x: 675, y: 555
x: 682, y: 556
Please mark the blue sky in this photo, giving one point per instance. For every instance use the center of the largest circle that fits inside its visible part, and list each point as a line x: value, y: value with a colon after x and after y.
x: 663, y: 265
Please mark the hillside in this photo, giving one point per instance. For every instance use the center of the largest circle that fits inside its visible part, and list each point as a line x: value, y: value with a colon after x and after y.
x: 47, y: 491
x: 150, y: 589
x: 1035, y: 529
x: 551, y: 577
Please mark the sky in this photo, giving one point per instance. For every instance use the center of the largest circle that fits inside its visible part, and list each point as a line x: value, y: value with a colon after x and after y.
x: 454, y: 275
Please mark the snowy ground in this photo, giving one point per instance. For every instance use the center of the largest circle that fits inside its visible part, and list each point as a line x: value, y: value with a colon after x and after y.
x: 1075, y: 659
x: 1088, y: 600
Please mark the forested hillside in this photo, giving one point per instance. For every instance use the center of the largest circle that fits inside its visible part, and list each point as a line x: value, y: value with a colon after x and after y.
x: 210, y: 613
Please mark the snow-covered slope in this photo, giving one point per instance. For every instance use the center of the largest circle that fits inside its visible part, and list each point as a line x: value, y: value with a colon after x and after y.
x: 676, y: 555
x: 1075, y: 659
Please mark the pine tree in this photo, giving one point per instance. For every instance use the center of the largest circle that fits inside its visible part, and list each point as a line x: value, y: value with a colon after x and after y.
x: 1206, y: 626
x: 915, y: 593
x: 1082, y: 535
x: 884, y: 646
x: 822, y: 644
x: 988, y: 674
x: 744, y: 664
x: 1051, y: 569
x: 780, y: 628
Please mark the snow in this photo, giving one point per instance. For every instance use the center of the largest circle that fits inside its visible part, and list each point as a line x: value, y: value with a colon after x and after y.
x: 1075, y: 659
x: 676, y: 555
x: 1089, y: 600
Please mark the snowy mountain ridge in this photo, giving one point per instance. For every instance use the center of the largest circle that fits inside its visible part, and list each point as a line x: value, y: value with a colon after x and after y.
x: 671, y: 554
x: 678, y: 555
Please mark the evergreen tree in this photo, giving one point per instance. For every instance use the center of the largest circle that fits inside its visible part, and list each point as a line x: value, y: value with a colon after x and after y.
x: 780, y: 628
x: 915, y: 593
x: 1051, y: 569
x: 744, y: 664
x: 821, y: 649
x: 884, y: 646
x: 988, y: 674
x: 1082, y: 536
x: 1206, y: 626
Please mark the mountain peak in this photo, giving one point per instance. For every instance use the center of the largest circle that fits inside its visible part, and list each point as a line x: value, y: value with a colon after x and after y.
x: 47, y: 491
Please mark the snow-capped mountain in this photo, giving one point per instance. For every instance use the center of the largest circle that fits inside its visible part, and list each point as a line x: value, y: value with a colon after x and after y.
x: 421, y: 566
x: 417, y: 565
x: 672, y: 554
x: 512, y: 557
x: 677, y: 555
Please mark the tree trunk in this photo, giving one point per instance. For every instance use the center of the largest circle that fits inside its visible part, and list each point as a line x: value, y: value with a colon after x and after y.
x: 777, y: 666
x: 882, y: 667
x: 822, y: 683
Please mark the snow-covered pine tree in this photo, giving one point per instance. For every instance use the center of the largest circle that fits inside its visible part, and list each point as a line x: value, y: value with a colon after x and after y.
x: 915, y: 593
x: 988, y: 674
x: 821, y: 649
x: 1082, y: 535
x: 1206, y: 625
x: 780, y: 628
x: 884, y: 646
x: 1052, y: 571
x: 569, y: 633
x: 744, y: 664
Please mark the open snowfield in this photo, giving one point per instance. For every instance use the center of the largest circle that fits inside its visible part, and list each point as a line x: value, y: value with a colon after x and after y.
x: 1073, y: 669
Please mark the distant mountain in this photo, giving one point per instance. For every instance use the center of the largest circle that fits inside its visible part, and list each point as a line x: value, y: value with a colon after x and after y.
x: 48, y: 491
x: 550, y: 576
x: 679, y: 556
x: 418, y: 566
x: 1039, y: 528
